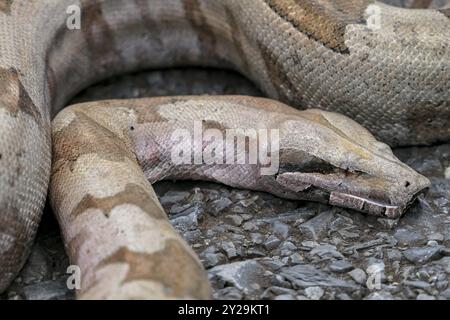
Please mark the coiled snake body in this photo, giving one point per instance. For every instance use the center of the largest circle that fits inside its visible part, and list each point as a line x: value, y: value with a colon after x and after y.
x: 391, y: 77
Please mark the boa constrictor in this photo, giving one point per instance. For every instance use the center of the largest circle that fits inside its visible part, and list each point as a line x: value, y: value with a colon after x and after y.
x: 391, y: 76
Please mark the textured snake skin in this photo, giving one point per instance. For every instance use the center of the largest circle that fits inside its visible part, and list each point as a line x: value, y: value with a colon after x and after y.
x: 387, y: 68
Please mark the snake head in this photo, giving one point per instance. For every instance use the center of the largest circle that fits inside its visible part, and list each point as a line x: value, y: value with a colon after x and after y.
x: 328, y: 157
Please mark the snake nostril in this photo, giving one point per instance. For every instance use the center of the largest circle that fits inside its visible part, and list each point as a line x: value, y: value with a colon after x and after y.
x: 407, y: 184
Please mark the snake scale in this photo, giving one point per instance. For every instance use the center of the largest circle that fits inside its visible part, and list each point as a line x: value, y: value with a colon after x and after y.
x: 390, y: 75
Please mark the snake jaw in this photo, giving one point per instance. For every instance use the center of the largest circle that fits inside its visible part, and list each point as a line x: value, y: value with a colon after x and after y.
x: 366, y: 205
x: 359, y: 192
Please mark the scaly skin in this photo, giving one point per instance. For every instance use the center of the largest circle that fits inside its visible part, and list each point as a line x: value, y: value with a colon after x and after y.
x: 316, y: 53
x: 106, y: 153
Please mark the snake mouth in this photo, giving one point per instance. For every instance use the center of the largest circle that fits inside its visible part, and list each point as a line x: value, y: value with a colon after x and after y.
x: 372, y: 207
x: 360, y: 192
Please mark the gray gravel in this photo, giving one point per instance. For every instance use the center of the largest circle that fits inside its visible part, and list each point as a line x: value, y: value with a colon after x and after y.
x: 257, y: 246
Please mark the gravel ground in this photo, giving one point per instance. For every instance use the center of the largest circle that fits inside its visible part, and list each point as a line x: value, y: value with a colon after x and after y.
x: 257, y: 246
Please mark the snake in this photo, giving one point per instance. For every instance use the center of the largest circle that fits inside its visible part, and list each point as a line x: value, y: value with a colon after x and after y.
x: 345, y: 81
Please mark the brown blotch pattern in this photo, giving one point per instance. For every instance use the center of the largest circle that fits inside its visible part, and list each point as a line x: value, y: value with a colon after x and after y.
x: 427, y: 117
x: 318, y: 118
x: 446, y: 12
x: 98, y: 34
x: 173, y: 266
x: 133, y: 194
x: 324, y: 21
x: 14, y: 97
x: 211, y: 124
x: 235, y: 38
x: 279, y: 77
x: 85, y: 136
x: 148, y: 116
x: 198, y: 22
x: 153, y: 27
x: 295, y: 160
x: 5, y: 6
x: 421, y: 4
x: 56, y: 44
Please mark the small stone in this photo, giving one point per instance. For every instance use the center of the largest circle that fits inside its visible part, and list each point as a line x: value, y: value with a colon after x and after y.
x: 193, y: 236
x: 296, y: 258
x: 273, y: 264
x: 243, y: 275
x: 441, y: 277
x: 409, y: 293
x: 38, y: 266
x: 424, y: 296
x: 441, y: 285
x: 240, y: 194
x: 255, y: 253
x: 423, y: 275
x: 381, y: 295
x: 314, y: 293
x: 197, y: 196
x: 246, y: 217
x: 211, y: 194
x: 235, y: 219
x: 187, y: 222
x: 409, y: 237
x: 280, y: 229
x: 279, y: 291
x: 228, y: 293
x: 375, y: 270
x: 285, y: 253
x: 388, y: 223
x: 213, y: 259
x: 229, y: 249
x: 307, y: 275
x: 317, y: 227
x: 432, y: 243
x: 250, y: 226
x: 348, y: 235
x: 394, y: 254
x: 48, y: 290
x: 447, y: 173
x: 248, y: 202
x: 228, y: 227
x: 436, y: 237
x: 14, y: 296
x: 285, y: 260
x: 257, y: 238
x: 445, y: 263
x: 309, y: 244
x: 172, y: 197
x: 446, y: 294
x: 177, y: 209
x: 220, y: 204
x: 287, y: 245
x: 238, y: 209
x: 272, y: 243
x: 422, y: 255
x: 340, y: 266
x: 326, y: 250
x: 417, y: 284
x: 285, y: 297
x: 343, y: 296
x: 358, y: 275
